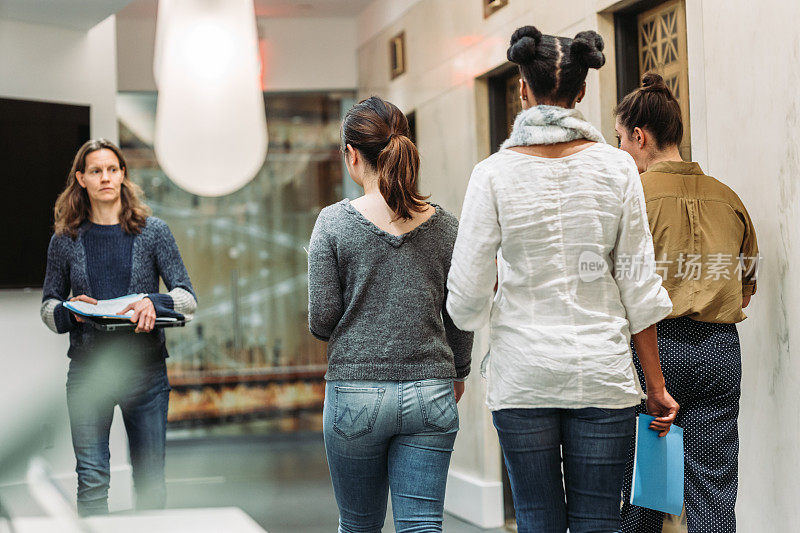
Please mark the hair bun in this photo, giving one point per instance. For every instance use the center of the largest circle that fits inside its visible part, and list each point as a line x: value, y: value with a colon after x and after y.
x: 524, y: 42
x: 587, y: 47
x: 654, y: 82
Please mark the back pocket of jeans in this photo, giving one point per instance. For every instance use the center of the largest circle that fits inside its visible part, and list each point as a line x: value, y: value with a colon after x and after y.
x: 356, y: 410
x: 438, y: 403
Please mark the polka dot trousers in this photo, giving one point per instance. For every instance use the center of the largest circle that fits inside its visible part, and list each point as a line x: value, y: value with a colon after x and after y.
x: 702, y: 367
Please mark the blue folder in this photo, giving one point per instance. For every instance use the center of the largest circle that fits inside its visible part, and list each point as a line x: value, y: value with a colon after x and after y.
x: 658, y: 468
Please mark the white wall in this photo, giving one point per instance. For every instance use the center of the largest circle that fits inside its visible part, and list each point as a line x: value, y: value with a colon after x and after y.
x: 136, y: 37
x: 41, y: 62
x: 378, y: 15
x: 306, y: 54
x: 298, y: 54
x: 745, y: 103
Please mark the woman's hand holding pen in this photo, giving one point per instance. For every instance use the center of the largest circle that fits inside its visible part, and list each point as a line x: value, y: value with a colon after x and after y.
x: 144, y: 315
x: 82, y: 298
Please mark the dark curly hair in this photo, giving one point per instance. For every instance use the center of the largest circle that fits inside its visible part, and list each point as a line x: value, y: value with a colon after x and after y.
x: 652, y: 107
x: 555, y: 67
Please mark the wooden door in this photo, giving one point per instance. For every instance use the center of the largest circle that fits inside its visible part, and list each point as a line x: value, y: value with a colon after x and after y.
x: 662, y: 49
x: 513, y: 102
x: 504, y: 103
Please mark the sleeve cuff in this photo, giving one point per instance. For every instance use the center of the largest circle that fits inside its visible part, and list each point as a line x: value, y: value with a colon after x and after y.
x: 468, y: 314
x: 64, y: 320
x: 659, y: 309
x: 748, y: 289
x: 318, y: 336
x: 462, y: 373
x: 164, y: 305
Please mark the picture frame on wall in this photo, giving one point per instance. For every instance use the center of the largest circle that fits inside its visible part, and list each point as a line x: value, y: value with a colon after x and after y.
x: 490, y: 6
x: 397, y: 54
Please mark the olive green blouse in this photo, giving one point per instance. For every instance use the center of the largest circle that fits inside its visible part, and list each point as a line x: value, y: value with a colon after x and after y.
x: 705, y: 244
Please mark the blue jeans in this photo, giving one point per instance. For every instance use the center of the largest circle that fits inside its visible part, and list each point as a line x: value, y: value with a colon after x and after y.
x: 386, y: 434
x: 594, y: 443
x: 94, y: 387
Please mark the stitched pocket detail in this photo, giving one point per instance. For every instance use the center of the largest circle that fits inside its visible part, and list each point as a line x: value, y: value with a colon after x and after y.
x: 355, y: 410
x: 438, y: 403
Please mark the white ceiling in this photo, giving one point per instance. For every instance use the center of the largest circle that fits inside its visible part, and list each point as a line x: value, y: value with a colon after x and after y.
x: 269, y: 8
x: 75, y: 14
x: 84, y: 14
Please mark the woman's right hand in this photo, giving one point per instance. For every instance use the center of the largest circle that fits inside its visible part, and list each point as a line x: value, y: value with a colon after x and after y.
x: 662, y: 406
x: 82, y: 298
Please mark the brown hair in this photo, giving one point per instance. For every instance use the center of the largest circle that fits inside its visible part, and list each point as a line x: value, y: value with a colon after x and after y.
x: 379, y: 130
x: 73, y: 206
x: 652, y: 107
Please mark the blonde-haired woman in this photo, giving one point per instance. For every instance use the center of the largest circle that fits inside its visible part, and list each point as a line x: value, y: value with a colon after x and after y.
x: 106, y: 246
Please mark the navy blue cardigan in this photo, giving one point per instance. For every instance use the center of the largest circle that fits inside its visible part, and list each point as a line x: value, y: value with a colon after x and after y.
x: 155, y: 255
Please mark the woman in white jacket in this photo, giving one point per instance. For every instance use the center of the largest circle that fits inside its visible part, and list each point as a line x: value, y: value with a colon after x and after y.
x: 564, y: 215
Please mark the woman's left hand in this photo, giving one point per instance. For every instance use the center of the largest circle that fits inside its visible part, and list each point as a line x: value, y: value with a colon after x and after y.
x: 144, y: 315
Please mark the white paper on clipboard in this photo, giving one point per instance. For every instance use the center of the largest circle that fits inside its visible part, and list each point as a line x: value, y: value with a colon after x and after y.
x: 105, y: 308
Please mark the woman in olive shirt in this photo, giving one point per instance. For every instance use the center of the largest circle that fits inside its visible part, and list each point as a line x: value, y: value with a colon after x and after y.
x: 707, y: 254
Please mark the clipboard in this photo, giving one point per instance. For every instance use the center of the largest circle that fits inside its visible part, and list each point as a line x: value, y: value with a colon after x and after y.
x: 124, y: 324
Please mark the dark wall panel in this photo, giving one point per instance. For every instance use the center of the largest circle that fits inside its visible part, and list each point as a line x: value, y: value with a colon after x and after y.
x: 37, y: 143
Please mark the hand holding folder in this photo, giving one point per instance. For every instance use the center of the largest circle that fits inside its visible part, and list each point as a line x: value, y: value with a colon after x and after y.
x: 658, y: 468
x: 665, y: 409
x: 116, y: 314
x: 104, y: 308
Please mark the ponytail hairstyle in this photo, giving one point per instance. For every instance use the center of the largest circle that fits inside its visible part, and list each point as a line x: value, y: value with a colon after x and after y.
x: 73, y: 206
x: 553, y: 67
x: 379, y: 131
x: 652, y: 107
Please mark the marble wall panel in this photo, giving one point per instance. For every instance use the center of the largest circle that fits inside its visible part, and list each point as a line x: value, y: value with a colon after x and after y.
x: 751, y: 107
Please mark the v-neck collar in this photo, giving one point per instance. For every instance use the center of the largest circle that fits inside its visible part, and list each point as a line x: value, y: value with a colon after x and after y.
x: 394, y: 240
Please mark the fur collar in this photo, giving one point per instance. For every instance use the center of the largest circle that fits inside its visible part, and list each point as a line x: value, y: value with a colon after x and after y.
x: 545, y: 124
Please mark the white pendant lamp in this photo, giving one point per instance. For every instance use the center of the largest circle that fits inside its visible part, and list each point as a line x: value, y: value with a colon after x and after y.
x: 211, y: 131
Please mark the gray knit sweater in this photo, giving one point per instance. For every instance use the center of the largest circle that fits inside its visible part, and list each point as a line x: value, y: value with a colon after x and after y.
x: 154, y: 255
x: 378, y: 299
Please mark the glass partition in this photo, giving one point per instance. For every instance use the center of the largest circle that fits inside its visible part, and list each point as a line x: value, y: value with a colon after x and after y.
x: 247, y: 359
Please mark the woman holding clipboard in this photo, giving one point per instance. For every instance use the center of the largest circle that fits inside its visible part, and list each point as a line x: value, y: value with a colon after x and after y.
x: 106, y: 246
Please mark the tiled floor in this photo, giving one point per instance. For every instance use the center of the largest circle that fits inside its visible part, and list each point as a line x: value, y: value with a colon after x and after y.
x: 281, y: 481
